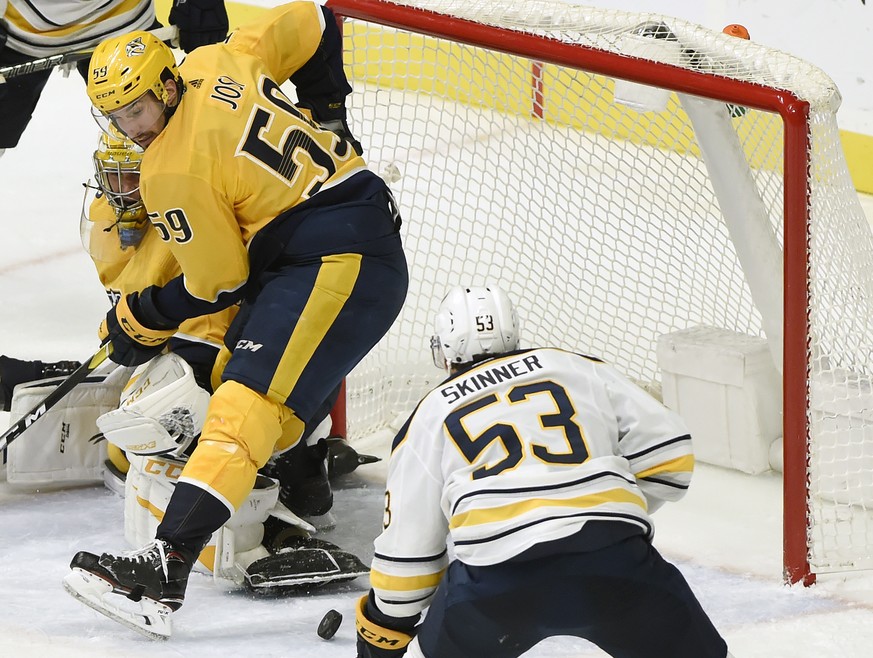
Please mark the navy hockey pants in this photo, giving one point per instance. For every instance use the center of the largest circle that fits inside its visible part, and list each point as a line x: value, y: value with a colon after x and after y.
x: 624, y: 597
x: 321, y: 306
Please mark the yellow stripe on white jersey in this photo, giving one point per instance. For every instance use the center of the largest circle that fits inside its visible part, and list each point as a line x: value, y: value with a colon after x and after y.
x: 518, y: 450
x: 419, y: 582
x: 506, y: 513
x: 46, y: 27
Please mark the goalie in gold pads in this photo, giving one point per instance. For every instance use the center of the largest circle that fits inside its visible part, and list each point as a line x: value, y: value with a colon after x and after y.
x: 262, y: 202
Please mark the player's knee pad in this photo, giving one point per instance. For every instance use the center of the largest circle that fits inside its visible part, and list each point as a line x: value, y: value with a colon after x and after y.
x: 239, y: 415
x: 60, y: 452
x: 161, y: 412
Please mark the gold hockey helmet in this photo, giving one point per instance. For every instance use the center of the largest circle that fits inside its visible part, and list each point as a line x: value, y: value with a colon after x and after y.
x: 124, y: 68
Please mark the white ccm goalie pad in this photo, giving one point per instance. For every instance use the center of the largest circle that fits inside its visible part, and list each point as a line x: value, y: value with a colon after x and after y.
x: 57, y: 451
x: 162, y: 409
x: 148, y: 487
x: 239, y: 551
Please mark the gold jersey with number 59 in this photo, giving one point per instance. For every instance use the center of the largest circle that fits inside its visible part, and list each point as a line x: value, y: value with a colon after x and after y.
x: 237, y: 152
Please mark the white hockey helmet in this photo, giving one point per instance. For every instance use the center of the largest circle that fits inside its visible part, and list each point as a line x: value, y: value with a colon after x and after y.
x: 473, y: 322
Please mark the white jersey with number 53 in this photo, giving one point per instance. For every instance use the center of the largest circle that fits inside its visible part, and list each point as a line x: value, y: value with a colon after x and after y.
x: 520, y: 449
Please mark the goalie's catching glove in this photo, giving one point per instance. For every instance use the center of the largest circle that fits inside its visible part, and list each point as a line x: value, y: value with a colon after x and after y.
x: 200, y: 22
x: 375, y: 638
x: 133, y: 341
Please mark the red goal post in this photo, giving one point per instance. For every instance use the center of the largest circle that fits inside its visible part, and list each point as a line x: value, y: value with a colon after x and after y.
x: 453, y: 99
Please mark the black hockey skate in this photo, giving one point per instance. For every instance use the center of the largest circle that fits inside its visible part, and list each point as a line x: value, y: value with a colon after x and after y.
x: 153, y: 578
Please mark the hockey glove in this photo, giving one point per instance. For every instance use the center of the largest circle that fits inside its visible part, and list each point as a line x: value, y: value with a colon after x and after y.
x: 200, y: 22
x: 340, y: 127
x: 133, y: 343
x: 378, y: 641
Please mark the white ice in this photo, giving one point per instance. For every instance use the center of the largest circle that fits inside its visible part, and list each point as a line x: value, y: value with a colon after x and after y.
x: 725, y: 535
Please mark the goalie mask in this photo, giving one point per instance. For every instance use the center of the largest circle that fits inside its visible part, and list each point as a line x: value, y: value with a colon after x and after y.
x: 117, y: 162
x: 473, y: 323
x: 114, y: 220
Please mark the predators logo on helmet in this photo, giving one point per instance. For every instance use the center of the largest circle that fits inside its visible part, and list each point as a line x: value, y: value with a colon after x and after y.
x: 124, y: 68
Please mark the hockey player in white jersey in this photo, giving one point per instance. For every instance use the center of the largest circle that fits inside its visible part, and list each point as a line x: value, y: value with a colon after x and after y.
x: 518, y: 503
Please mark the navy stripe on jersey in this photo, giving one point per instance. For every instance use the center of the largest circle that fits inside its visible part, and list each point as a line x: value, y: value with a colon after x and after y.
x: 666, y: 483
x: 551, y: 487
x: 390, y: 558
x: 684, y: 437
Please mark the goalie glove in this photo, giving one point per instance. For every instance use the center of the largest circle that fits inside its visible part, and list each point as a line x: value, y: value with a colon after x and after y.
x: 161, y: 412
x: 200, y: 22
x: 381, y: 636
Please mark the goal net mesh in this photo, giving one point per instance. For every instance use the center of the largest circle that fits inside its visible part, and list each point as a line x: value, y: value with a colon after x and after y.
x: 602, y: 221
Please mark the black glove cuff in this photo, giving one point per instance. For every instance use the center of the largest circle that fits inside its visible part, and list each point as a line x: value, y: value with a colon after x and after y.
x: 144, y: 307
x: 404, y: 624
x: 199, y: 15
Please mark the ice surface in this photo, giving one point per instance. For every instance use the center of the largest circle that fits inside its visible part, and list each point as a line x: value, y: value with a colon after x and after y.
x: 725, y: 536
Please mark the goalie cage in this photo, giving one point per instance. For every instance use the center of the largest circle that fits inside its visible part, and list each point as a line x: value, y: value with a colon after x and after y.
x: 496, y: 124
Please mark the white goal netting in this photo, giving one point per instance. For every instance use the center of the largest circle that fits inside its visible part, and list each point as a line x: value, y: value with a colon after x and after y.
x: 611, y: 226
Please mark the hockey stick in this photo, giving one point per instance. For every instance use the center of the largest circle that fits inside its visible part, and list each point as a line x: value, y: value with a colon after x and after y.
x: 169, y: 33
x: 80, y: 374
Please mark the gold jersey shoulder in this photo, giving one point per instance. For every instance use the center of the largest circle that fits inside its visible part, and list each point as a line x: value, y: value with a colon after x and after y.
x: 237, y: 152
x: 45, y: 27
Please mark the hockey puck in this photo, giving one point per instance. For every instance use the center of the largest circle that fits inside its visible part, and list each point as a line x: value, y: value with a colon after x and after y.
x: 329, y: 624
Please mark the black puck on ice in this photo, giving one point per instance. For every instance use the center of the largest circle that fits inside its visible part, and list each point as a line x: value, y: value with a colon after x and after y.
x: 329, y: 624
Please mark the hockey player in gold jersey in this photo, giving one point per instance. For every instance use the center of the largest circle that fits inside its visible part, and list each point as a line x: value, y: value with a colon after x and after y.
x: 540, y: 467
x: 264, y: 202
x: 31, y: 29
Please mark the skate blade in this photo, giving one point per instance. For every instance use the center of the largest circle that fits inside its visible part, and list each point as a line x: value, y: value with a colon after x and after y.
x: 147, y: 617
x: 303, y: 566
x: 310, y: 579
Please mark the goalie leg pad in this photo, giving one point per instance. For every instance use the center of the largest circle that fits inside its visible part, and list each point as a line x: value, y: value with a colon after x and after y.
x: 59, y: 452
x: 303, y: 562
x: 147, y: 490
